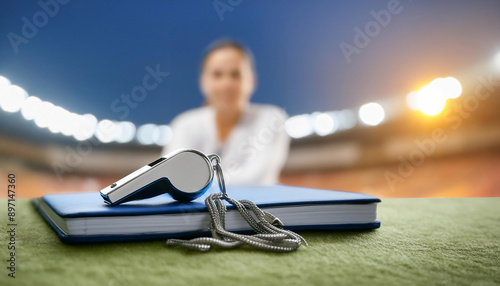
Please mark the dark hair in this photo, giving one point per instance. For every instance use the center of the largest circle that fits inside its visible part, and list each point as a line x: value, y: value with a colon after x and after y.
x: 227, y: 43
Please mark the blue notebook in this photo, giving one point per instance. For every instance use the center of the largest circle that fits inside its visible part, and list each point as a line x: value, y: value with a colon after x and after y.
x: 84, y: 217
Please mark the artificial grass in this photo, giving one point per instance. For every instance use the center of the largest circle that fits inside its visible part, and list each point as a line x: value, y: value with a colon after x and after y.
x: 421, y: 241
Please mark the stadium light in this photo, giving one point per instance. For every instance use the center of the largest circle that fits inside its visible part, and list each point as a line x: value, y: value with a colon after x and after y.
x: 30, y: 107
x: 298, y: 126
x: 106, y: 131
x: 126, y: 133
x: 449, y: 87
x: 430, y: 100
x: 148, y: 134
x: 85, y: 127
x: 82, y: 127
x: 324, y: 124
x: 165, y: 135
x: 4, y: 81
x: 12, y: 97
x: 371, y: 113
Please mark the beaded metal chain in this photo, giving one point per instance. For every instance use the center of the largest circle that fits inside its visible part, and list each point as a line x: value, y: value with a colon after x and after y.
x: 269, y: 236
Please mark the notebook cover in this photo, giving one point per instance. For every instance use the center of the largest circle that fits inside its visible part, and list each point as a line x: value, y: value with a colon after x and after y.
x: 91, y: 204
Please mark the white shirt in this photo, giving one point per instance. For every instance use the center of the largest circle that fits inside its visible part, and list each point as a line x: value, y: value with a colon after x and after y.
x: 255, y: 150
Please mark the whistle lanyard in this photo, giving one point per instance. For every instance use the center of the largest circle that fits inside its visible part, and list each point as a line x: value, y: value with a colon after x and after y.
x: 269, y: 236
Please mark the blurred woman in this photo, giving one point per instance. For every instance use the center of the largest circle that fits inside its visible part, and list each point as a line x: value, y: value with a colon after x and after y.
x: 250, y: 138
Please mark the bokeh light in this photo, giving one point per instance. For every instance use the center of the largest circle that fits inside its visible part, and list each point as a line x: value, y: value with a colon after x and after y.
x: 56, y: 119
x: 371, y: 113
x: 85, y: 127
x: 106, y: 131
x: 12, y: 97
x: 43, y: 113
x: 30, y: 107
x: 346, y: 119
x: 69, y: 121
x: 299, y: 126
x: 126, y: 133
x: 449, y: 87
x: 148, y: 134
x: 4, y: 81
x: 165, y: 135
x: 412, y: 100
x: 430, y: 100
x: 324, y: 124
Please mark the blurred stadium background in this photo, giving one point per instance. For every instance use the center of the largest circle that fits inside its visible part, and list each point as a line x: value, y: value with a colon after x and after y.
x: 413, y: 112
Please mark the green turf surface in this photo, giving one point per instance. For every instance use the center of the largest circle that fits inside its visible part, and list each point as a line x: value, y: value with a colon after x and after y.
x: 421, y: 241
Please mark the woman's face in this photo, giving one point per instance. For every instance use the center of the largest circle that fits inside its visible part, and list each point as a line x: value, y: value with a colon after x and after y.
x: 227, y: 79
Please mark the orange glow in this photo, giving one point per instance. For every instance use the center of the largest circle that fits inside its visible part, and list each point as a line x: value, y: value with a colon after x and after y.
x: 431, y: 99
